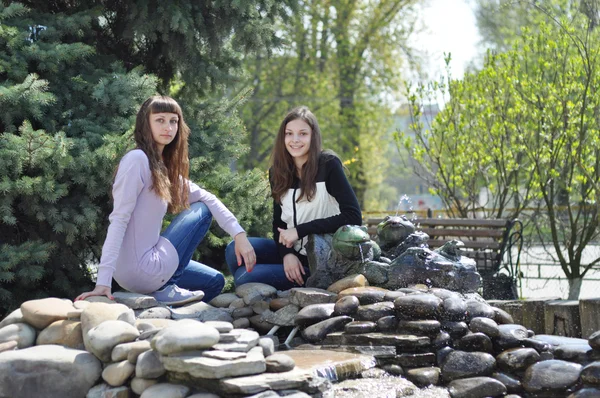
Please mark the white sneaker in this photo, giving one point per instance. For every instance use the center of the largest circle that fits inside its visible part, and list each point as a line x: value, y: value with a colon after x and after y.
x: 174, y: 295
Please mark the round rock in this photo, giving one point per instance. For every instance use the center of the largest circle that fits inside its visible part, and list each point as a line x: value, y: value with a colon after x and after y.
x: 476, y: 387
x: 484, y: 325
x: 418, y: 306
x: 41, y: 313
x: 346, y: 306
x: 278, y: 363
x: 104, y: 337
x: 516, y: 359
x: 554, y: 376
x: 460, y: 364
x: 314, y: 313
x: 22, y: 333
x: 359, y: 327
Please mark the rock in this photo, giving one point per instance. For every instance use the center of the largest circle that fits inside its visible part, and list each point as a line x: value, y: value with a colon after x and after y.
x: 9, y: 345
x: 41, y: 313
x: 258, y: 323
x: 95, y: 313
x: 253, y: 292
x: 278, y: 303
x: 243, y: 340
x: 139, y: 385
x: 243, y: 312
x: 315, y: 313
x: 223, y: 300
x: 476, y: 308
x: 64, y: 332
x: 346, y: 306
x: 154, y: 313
x: 268, y: 345
x: 32, y: 372
x: 484, y: 325
x: 454, y: 309
x: 510, y: 335
x: 149, y: 366
x: 166, y: 390
x: 423, y: 377
x: 283, y: 317
x: 460, y: 364
x: 419, y: 328
x: 153, y: 323
x: 476, y: 387
x: 241, y: 323
x: 318, y: 331
x: 224, y: 355
x: 474, y: 342
x: 104, y: 337
x: 587, y: 392
x: 365, y: 295
x: 303, y: 297
x: 394, y: 369
x: 516, y: 359
x: 192, y: 368
x: 239, y: 303
x: 418, y: 306
x: 358, y: 327
x: 455, y: 329
x: 260, y: 307
x: 554, y: 376
x: 356, y: 280
x: 502, y: 317
x: 387, y: 324
x: 293, y: 380
x: 116, y: 374
x: 22, y: 333
x: 201, y: 311
x: 103, y: 390
x: 513, y: 385
x: 593, y: 340
x: 121, y: 351
x: 14, y: 317
x: 372, y: 312
x: 412, y: 360
x: 591, y: 373
x: 185, y: 335
x: 135, y: 301
x: 278, y: 363
x: 222, y: 327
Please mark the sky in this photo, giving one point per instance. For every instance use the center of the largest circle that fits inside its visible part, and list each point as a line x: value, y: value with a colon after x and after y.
x: 449, y: 26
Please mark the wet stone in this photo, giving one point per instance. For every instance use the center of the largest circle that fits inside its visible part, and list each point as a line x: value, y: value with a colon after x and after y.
x: 318, y: 331
x: 423, y: 377
x: 387, y: 324
x: 573, y: 352
x: 537, y: 345
x: 357, y: 327
x: 365, y: 295
x: 394, y: 369
x: 461, y: 364
x: 442, y: 339
x: 516, y: 359
x: 513, y: 385
x: 474, y: 342
x: 243, y: 312
x: 418, y: 306
x: 356, y: 280
x: 456, y: 329
x: 314, y: 313
x: 442, y: 354
x: 594, y: 340
x: 588, y: 392
x: 476, y: 309
x: 484, y: 325
x: 393, y: 295
x: 400, y: 341
x: 241, y: 323
x: 418, y: 360
x: 510, y: 335
x: 502, y: 317
x: 283, y: 317
x: 476, y: 387
x: 278, y: 303
x: 346, y: 306
x: 426, y: 327
x: 372, y: 312
x: 454, y: 309
x: 591, y: 373
x: 554, y: 376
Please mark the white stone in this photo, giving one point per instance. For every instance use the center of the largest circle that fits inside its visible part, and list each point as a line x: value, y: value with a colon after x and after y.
x: 22, y: 333
x: 185, y: 335
x: 116, y: 374
x: 202, y: 312
x: 139, y: 385
x: 103, y: 338
x: 222, y: 327
x: 153, y: 313
x: 41, y: 313
x: 121, y: 351
x: 149, y: 366
x: 14, y: 317
x: 166, y: 390
x: 96, y: 313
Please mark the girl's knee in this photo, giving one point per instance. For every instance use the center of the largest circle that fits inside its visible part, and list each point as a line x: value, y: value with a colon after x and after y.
x: 218, y: 282
x: 201, y: 207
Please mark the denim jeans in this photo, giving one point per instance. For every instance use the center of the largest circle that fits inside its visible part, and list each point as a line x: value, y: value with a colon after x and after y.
x: 268, y: 268
x: 185, y: 232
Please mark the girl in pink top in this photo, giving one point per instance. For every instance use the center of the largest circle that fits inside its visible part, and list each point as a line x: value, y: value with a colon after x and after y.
x: 150, y: 180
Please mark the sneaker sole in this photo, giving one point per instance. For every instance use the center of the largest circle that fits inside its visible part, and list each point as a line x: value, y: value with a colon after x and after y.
x: 181, y: 302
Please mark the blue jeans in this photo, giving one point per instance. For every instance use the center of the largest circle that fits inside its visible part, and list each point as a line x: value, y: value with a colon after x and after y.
x: 268, y: 268
x: 185, y: 232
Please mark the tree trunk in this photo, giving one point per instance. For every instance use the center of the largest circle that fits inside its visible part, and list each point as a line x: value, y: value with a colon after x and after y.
x: 575, y: 288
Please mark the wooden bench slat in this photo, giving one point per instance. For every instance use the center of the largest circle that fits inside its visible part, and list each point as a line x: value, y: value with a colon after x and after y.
x: 460, y: 222
x: 469, y: 244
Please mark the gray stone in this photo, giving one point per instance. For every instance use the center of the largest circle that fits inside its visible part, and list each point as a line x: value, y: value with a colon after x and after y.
x: 293, y: 380
x: 278, y: 363
x: 201, y: 311
x: 116, y: 374
x: 243, y: 312
x: 476, y: 387
x: 315, y: 313
x: 139, y: 385
x: 223, y: 355
x: 154, y: 313
x: 253, y: 292
x: 552, y: 376
x: 484, y: 325
x: 283, y: 317
x: 185, y: 335
x: 418, y: 306
x: 511, y: 335
x: 239, y: 303
x: 357, y: 327
x: 9, y: 345
x: 32, y: 372
x: 241, y: 323
x: 193, y: 367
x: 166, y: 390
x: 14, y: 317
x: 372, y: 312
x: 121, y: 351
x: 267, y: 344
x: 243, y: 341
x: 223, y: 300
x: 423, y: 377
x: 105, y: 391
x: 149, y: 366
x: 594, y: 340
x: 307, y: 296
x: 222, y: 327
x: 260, y: 307
x: 135, y: 301
x: 318, y: 331
x: 22, y: 333
x: 104, y: 337
x: 460, y: 364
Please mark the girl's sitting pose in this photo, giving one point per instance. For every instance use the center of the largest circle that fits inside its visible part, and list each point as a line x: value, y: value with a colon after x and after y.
x: 311, y: 195
x: 150, y: 180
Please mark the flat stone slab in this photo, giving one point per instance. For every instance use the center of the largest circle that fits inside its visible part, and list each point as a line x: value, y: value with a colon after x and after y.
x: 293, y: 380
x: 202, y: 312
x: 326, y: 362
x: 403, y: 341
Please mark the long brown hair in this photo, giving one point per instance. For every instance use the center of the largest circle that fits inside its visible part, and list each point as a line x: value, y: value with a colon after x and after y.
x: 170, y: 170
x: 283, y: 167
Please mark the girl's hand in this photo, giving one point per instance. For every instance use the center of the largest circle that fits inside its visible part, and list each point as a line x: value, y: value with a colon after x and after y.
x: 243, y: 249
x: 98, y: 291
x: 288, y: 237
x: 293, y: 269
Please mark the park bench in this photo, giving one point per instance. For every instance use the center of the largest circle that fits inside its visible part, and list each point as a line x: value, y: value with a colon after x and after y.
x: 494, y: 244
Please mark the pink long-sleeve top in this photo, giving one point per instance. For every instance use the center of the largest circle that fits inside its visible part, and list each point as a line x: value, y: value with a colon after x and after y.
x: 134, y: 253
